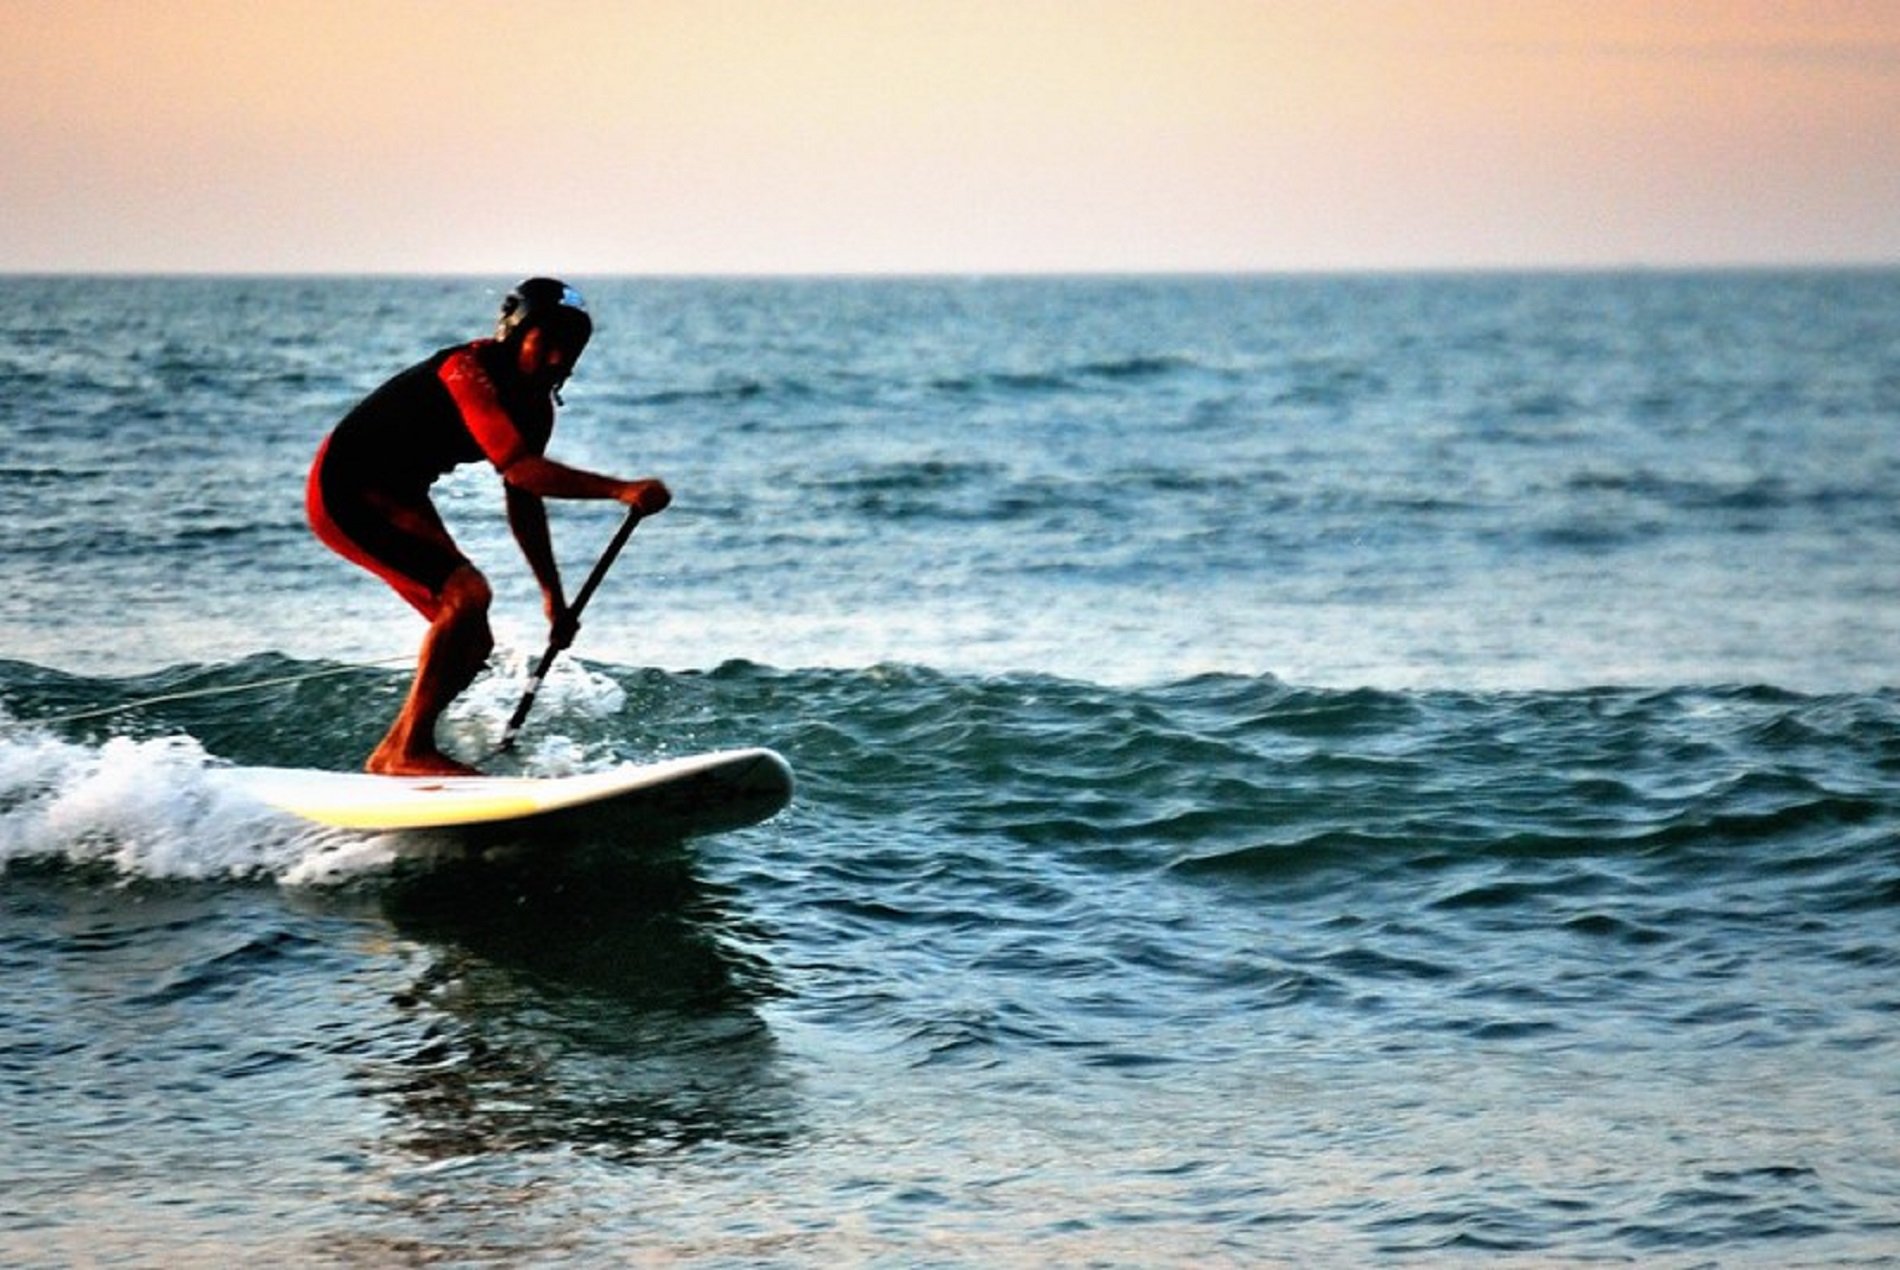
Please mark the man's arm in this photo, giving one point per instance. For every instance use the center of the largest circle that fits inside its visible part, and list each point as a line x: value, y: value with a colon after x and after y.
x: 526, y: 483
x: 543, y: 477
x: 528, y: 518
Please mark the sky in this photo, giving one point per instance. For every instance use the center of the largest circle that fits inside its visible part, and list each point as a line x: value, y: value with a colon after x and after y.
x: 593, y: 137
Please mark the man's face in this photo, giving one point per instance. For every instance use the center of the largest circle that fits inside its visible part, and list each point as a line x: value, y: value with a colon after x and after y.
x: 543, y: 357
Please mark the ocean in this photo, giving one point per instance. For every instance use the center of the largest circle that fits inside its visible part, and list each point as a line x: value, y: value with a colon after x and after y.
x: 1315, y: 771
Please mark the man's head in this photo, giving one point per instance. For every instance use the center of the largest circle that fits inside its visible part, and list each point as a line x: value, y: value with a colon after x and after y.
x: 544, y: 322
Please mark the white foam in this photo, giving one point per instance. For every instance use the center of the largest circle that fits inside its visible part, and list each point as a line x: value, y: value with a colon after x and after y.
x: 336, y: 857
x: 572, y: 693
x: 148, y: 809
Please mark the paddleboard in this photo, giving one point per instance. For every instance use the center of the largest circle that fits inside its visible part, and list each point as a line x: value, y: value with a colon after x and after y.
x: 701, y: 793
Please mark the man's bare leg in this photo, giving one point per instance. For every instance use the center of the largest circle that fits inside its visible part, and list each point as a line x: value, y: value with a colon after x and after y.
x: 454, y: 651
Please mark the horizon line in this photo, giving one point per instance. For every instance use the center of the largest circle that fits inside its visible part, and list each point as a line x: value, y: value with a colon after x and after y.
x: 921, y: 275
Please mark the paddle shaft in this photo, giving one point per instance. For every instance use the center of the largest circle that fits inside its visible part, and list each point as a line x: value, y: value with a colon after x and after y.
x: 586, y: 593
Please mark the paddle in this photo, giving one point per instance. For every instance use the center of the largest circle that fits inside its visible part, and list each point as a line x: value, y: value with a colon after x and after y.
x: 605, y: 563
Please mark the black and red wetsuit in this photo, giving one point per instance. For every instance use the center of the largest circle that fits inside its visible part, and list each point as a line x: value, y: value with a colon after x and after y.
x: 368, y: 493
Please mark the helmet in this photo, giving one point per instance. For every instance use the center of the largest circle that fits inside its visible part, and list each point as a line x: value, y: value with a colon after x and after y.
x: 549, y: 304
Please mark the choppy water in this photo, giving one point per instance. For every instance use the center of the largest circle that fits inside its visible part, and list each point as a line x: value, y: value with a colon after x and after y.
x: 1309, y: 771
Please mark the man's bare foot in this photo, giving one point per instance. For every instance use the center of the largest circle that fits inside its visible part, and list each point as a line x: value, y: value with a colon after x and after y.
x: 428, y: 763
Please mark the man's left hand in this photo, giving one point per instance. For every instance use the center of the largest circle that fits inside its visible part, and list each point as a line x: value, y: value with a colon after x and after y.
x: 562, y: 625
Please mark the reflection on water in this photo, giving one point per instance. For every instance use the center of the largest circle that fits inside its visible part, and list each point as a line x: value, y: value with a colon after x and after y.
x: 599, y: 1004
x: 574, y: 1011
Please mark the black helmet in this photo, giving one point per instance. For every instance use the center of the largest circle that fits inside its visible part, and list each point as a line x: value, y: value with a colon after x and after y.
x: 550, y: 304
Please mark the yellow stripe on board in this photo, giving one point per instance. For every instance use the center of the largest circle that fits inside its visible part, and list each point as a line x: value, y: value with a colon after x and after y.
x: 388, y: 816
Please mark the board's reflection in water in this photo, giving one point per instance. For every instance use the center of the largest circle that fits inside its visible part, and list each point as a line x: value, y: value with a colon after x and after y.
x: 599, y: 1003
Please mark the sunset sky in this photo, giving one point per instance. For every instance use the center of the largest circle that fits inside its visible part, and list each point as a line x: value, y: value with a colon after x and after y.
x: 924, y: 136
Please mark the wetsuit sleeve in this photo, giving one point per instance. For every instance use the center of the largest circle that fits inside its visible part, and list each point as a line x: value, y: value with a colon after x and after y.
x: 473, y: 392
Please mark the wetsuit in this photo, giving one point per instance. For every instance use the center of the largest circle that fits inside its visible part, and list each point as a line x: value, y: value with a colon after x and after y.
x: 368, y: 493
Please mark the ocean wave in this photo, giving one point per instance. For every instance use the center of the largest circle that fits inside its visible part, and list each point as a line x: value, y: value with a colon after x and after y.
x: 725, y: 392
x: 1655, y: 497
x: 1219, y: 780
x: 1078, y: 376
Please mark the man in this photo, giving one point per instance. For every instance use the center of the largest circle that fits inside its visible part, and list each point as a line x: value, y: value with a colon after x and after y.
x: 368, y: 494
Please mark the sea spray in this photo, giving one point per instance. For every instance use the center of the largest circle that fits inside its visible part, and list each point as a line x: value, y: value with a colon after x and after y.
x: 142, y: 808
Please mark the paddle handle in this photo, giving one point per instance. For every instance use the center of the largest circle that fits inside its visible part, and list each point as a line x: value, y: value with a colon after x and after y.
x: 586, y: 593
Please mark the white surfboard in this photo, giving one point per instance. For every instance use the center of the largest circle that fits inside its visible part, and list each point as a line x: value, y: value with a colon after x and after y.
x: 683, y: 796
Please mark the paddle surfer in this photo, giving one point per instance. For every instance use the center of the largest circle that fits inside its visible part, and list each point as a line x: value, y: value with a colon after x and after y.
x: 368, y: 494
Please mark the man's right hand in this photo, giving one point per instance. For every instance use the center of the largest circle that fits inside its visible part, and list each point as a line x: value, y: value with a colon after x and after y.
x: 646, y: 497
x: 562, y: 625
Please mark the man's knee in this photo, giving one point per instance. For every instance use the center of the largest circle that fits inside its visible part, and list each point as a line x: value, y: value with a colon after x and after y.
x: 466, y: 591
